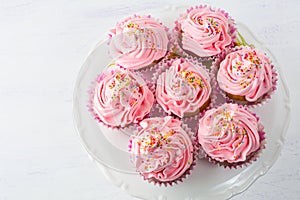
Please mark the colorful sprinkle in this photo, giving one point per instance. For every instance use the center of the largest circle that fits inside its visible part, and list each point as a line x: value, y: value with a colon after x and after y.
x: 132, y: 25
x: 192, y: 79
x: 155, y: 139
x: 246, y: 71
x: 122, y: 81
x: 209, y: 23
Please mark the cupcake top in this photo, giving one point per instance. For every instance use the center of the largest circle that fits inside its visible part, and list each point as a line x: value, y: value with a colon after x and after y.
x: 183, y: 88
x: 121, y: 97
x: 162, y: 151
x: 229, y: 133
x: 138, y: 41
x: 246, y: 72
x: 206, y: 31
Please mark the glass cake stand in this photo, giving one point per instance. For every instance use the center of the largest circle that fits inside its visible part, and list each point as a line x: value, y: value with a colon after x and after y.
x: 108, y: 148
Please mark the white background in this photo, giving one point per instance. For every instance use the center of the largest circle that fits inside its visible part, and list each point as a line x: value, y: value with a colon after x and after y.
x: 42, y: 46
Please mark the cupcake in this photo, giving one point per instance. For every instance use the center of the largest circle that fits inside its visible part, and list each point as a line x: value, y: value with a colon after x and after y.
x: 138, y: 42
x: 120, y: 98
x: 205, y: 31
x: 246, y: 74
x: 230, y: 135
x: 184, y: 88
x: 162, y: 151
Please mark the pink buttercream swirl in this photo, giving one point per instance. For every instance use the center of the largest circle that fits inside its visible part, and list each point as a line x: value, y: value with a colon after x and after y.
x: 121, y: 97
x: 206, y: 31
x: 162, y: 151
x: 183, y: 88
x: 229, y: 133
x: 138, y: 41
x: 246, y: 72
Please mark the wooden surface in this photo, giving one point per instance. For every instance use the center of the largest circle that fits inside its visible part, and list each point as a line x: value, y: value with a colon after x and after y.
x: 42, y: 46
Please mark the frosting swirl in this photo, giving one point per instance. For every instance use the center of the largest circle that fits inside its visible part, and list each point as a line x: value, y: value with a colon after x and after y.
x: 138, y: 41
x: 183, y: 88
x: 229, y: 133
x: 246, y: 72
x: 162, y: 150
x: 205, y: 31
x: 121, y: 97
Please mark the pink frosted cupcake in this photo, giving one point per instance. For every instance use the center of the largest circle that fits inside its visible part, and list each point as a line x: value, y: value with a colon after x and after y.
x: 247, y: 75
x: 138, y: 42
x: 230, y: 135
x: 120, y: 98
x: 205, y: 31
x: 162, y: 151
x: 184, y: 88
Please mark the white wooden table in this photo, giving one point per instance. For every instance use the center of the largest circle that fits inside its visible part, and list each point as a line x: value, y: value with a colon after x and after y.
x: 42, y: 46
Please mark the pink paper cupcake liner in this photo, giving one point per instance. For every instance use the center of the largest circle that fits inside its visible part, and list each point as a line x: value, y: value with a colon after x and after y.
x: 177, y: 41
x: 261, y: 101
x: 187, y: 172
x: 149, y: 72
x: 146, y: 76
x: 157, y: 111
